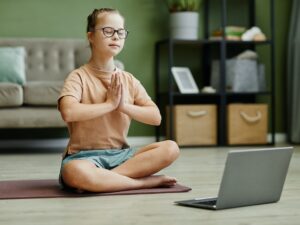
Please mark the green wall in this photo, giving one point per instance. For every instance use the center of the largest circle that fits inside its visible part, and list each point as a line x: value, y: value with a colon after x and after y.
x: 282, y: 19
x: 147, y: 21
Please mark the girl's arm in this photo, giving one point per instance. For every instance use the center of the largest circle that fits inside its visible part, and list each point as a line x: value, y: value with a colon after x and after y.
x: 148, y: 113
x: 72, y: 110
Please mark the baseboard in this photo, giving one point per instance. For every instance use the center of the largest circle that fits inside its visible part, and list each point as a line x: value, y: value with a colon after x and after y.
x: 140, y: 141
x: 62, y: 142
x: 279, y: 137
x: 33, y: 143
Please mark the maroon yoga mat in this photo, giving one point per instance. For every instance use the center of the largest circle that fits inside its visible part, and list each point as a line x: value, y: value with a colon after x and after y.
x: 18, y: 189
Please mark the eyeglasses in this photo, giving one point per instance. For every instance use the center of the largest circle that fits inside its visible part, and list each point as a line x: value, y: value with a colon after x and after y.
x: 109, y: 32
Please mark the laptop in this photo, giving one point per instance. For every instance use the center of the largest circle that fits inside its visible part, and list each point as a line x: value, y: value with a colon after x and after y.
x: 250, y: 177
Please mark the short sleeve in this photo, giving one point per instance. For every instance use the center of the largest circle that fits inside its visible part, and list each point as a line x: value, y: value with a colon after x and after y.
x: 141, y: 96
x: 72, y: 87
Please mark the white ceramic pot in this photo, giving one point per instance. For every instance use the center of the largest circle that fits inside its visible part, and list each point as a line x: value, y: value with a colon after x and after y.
x: 184, y: 25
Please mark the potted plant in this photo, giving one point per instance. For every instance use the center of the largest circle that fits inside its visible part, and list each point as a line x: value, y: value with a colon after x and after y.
x: 184, y: 18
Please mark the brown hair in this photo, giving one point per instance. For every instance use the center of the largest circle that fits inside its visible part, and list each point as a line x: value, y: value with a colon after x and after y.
x: 92, y: 18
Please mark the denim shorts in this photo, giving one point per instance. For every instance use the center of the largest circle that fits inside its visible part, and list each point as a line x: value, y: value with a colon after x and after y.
x: 107, y: 159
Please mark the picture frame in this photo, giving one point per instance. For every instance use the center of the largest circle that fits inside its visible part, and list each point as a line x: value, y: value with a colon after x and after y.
x: 184, y: 80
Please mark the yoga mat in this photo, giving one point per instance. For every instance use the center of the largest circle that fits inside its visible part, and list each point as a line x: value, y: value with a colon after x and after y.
x: 20, y: 189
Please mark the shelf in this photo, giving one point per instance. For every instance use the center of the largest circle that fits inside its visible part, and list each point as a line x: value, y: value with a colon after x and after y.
x: 195, y: 94
x: 248, y: 93
x: 248, y: 42
x: 186, y: 42
x: 207, y: 41
x: 178, y: 94
x: 217, y: 94
x: 207, y: 50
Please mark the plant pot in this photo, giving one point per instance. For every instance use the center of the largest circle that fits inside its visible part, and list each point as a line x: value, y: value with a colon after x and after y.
x: 184, y: 25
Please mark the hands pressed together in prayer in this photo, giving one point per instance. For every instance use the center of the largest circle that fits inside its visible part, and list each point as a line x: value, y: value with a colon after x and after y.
x: 115, y: 92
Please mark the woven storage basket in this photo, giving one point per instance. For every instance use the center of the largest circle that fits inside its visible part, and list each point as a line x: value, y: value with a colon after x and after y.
x: 195, y: 124
x: 247, y: 123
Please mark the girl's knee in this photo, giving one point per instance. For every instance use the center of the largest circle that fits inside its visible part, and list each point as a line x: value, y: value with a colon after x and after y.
x: 172, y: 149
x: 76, y: 174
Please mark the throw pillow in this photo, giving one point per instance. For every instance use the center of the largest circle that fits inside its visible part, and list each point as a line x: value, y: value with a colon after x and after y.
x: 12, y: 65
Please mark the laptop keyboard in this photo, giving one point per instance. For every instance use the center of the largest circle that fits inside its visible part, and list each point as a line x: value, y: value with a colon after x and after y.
x: 211, y: 202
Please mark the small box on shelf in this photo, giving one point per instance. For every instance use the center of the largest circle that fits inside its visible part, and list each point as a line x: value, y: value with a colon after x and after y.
x: 247, y: 123
x: 194, y: 124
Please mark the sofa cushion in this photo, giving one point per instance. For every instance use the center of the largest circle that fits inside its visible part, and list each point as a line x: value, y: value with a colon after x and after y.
x: 50, y: 58
x: 12, y: 64
x: 42, y: 92
x: 31, y: 117
x: 10, y: 95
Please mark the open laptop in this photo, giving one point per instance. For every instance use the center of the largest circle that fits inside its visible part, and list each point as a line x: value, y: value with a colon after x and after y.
x: 250, y: 177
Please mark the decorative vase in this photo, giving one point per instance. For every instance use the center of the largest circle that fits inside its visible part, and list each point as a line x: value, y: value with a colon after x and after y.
x: 184, y: 25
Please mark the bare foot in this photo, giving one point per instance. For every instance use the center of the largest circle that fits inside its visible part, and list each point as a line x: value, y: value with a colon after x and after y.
x: 158, y: 181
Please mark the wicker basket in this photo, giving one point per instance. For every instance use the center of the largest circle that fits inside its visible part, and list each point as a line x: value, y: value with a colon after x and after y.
x: 195, y: 124
x: 247, y: 123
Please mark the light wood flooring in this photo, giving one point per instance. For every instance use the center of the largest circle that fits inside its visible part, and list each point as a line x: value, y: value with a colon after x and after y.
x: 199, y: 168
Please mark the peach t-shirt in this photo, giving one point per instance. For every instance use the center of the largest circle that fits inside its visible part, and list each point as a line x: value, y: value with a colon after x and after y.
x: 89, y: 86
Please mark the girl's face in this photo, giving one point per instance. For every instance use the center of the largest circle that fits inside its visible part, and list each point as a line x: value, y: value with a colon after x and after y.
x: 107, y: 24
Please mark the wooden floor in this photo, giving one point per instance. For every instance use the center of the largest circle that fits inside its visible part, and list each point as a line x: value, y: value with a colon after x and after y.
x: 199, y: 168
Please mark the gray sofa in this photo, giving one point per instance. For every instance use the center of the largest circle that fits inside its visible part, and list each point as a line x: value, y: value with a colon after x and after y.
x: 47, y: 63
